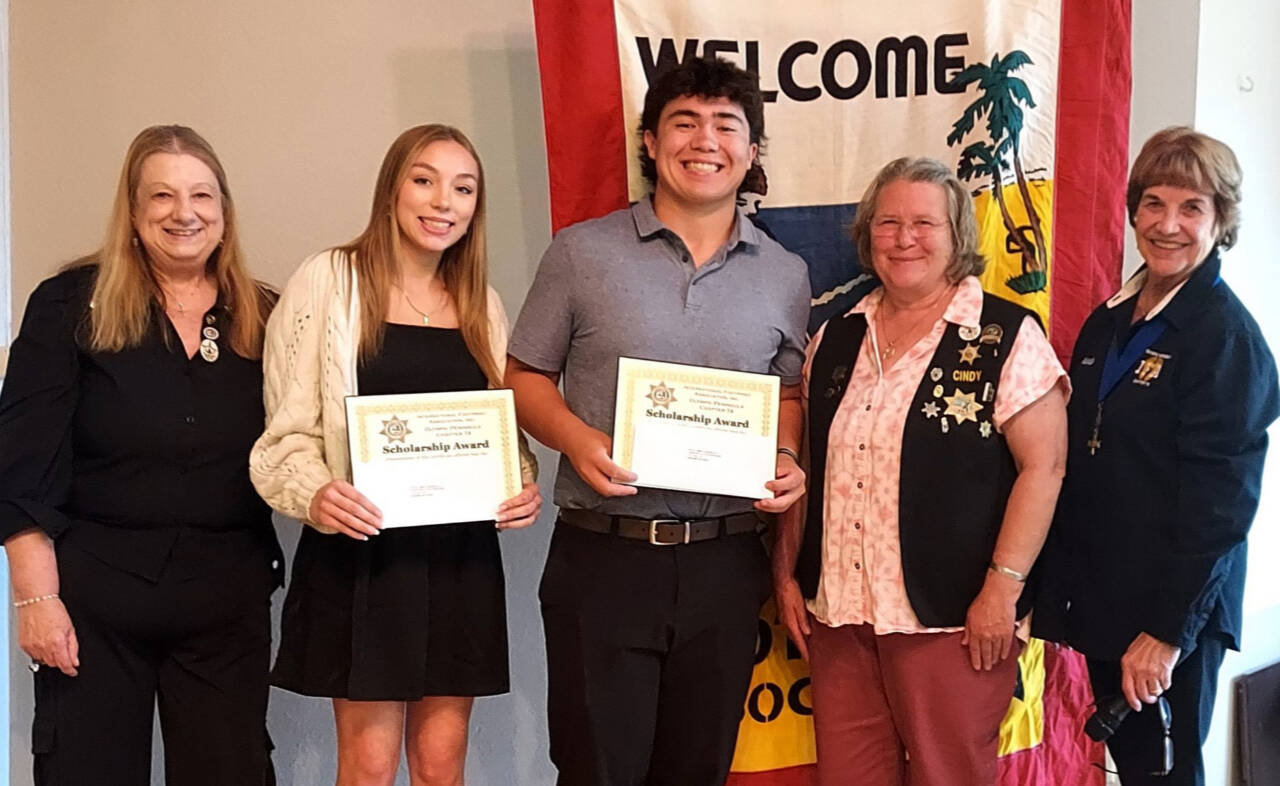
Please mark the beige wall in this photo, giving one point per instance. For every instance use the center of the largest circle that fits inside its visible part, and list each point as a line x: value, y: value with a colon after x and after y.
x: 301, y: 101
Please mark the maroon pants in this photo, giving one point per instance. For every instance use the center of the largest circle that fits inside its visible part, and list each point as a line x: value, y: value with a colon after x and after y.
x: 905, y: 708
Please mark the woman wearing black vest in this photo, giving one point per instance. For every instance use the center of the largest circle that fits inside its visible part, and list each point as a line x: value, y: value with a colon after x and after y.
x: 936, y: 441
x: 1175, y: 388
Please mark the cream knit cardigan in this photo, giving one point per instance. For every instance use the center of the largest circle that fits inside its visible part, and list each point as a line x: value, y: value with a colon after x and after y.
x: 309, y: 366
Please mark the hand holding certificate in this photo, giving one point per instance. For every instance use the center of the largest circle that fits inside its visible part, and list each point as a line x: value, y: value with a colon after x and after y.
x: 691, y: 428
x: 434, y: 458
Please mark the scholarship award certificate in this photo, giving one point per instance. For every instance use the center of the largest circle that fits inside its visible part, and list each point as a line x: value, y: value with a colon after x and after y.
x: 691, y: 428
x: 434, y: 458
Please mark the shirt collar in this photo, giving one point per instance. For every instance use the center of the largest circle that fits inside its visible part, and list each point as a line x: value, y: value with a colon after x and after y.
x: 965, y: 308
x: 1174, y: 308
x: 648, y: 224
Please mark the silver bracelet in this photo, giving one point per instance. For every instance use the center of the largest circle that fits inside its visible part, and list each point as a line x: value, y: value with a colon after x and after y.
x: 1010, y: 572
x: 17, y: 604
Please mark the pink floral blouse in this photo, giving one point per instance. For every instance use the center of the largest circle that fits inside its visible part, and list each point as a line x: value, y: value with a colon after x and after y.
x: 862, y: 578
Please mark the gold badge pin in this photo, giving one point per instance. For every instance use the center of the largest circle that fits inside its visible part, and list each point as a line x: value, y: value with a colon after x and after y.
x: 963, y: 406
x: 991, y: 334
x: 1149, y: 369
x: 969, y: 354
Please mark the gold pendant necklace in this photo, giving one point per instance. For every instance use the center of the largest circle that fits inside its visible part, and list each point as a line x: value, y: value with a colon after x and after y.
x: 891, y: 346
x: 426, y: 320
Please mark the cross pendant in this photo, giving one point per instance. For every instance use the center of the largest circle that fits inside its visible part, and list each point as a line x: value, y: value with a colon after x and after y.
x: 1094, y: 443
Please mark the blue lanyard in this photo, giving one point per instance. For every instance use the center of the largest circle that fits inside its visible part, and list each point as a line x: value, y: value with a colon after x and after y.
x: 1119, y: 361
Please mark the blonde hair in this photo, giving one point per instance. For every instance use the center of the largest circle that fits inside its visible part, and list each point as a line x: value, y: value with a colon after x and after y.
x: 1182, y: 157
x: 125, y: 290
x: 463, y: 266
x: 966, y: 260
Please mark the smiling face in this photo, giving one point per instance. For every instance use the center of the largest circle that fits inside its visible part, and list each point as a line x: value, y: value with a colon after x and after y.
x: 1175, y: 229
x: 435, y: 202
x: 911, y: 242
x: 177, y: 210
x: 701, y: 150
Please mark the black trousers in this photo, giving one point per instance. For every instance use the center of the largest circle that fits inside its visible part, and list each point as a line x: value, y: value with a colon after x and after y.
x: 649, y: 655
x: 198, y: 640
x: 1137, y: 744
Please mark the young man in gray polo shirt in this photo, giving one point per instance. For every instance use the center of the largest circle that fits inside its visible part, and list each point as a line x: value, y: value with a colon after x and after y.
x: 650, y: 649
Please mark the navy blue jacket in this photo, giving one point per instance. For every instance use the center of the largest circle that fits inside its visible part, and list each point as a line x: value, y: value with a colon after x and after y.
x: 1150, y: 529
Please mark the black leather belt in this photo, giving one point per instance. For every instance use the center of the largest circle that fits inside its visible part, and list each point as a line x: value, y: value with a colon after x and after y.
x: 662, y: 532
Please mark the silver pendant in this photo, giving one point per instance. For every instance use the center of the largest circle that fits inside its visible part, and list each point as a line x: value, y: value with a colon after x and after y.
x: 209, y: 350
x: 210, y: 333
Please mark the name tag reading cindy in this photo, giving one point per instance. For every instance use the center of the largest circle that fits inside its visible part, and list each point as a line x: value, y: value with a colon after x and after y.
x: 434, y: 458
x: 691, y: 428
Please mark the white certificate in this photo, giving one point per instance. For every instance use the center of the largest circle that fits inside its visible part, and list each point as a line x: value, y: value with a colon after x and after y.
x: 435, y: 458
x: 691, y: 428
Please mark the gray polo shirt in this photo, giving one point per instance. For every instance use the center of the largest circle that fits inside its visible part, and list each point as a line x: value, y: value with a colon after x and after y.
x: 625, y: 285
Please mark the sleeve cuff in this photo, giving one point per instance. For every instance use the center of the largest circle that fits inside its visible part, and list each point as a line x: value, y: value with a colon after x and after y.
x: 17, y: 515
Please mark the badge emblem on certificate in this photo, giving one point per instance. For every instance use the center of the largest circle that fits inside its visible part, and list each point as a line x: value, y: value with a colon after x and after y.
x: 692, y: 428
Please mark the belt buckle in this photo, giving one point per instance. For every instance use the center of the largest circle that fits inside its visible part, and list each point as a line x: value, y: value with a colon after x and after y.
x: 653, y: 532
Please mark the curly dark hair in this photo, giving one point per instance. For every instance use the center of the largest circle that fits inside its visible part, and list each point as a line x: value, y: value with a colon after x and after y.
x: 703, y: 77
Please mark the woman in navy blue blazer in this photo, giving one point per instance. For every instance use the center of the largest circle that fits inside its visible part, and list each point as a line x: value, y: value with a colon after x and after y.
x: 1174, y: 389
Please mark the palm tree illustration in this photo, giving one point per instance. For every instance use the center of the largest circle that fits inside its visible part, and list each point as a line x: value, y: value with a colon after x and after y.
x: 1001, y: 97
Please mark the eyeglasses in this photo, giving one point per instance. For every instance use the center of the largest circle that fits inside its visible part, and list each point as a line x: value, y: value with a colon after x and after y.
x: 919, y: 227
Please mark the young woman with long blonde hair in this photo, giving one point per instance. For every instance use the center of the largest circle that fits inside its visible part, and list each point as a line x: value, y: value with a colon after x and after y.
x: 403, y: 627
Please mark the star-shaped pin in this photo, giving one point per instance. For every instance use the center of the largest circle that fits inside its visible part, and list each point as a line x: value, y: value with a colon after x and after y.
x: 984, y: 428
x: 931, y: 409
x: 962, y: 406
x: 969, y: 354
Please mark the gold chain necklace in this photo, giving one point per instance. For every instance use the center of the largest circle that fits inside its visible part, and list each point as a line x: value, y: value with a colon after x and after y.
x: 182, y: 306
x: 891, y: 345
x: 426, y: 319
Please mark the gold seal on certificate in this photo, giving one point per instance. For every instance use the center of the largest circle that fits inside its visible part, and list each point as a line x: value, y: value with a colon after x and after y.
x: 691, y: 428
x: 434, y: 458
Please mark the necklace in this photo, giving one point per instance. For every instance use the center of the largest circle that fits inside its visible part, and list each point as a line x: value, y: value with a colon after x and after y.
x: 426, y: 319
x: 179, y: 301
x: 891, y: 345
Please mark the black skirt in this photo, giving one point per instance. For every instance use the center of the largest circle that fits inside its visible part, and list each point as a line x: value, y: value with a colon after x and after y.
x: 414, y: 611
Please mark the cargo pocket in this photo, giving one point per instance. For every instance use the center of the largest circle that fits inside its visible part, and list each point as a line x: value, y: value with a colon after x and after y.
x: 44, y: 730
x: 43, y: 725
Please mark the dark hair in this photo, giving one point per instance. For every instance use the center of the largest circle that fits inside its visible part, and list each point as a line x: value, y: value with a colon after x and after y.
x: 703, y: 77
x: 1185, y: 158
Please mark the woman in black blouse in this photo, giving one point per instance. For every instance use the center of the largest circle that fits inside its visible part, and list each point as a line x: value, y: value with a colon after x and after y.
x: 142, y: 561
